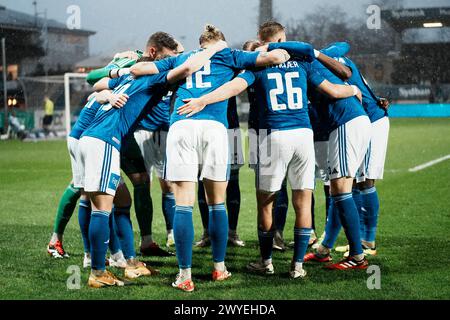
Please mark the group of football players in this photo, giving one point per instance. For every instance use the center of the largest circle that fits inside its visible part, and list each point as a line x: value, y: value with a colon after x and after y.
x: 311, y: 114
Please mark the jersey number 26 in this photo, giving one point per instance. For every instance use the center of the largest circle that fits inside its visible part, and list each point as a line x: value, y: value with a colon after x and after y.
x: 294, y: 95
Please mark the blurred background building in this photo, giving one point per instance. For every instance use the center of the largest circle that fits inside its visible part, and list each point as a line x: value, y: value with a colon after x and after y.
x: 405, y: 60
x: 39, y: 52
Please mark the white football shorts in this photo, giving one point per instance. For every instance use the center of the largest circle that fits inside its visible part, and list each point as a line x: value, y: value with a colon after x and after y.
x: 153, y: 149
x: 74, y: 152
x: 197, y: 149
x: 286, y: 153
x: 347, y: 146
x: 374, y: 160
x: 100, y: 164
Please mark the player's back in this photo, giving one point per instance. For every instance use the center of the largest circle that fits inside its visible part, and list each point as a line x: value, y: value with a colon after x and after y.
x: 370, y: 100
x: 280, y: 92
x: 340, y: 111
x: 221, y: 68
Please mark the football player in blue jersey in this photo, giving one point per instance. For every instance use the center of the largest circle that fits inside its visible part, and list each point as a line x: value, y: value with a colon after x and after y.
x: 139, y: 167
x: 100, y: 160
x: 372, y: 168
x: 320, y: 126
x: 286, y: 148
x: 198, y: 147
x: 281, y: 205
x: 159, y: 44
x: 73, y: 192
x: 233, y: 194
x: 349, y: 138
x: 151, y: 137
x: 85, y: 118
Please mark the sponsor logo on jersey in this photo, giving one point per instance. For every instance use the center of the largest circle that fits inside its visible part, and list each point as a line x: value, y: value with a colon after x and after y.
x: 114, y: 181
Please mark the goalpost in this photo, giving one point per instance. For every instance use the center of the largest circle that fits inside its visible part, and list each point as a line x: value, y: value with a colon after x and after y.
x: 67, y: 94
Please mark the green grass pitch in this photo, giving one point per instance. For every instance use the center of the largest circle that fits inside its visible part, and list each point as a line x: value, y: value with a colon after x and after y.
x: 413, y: 238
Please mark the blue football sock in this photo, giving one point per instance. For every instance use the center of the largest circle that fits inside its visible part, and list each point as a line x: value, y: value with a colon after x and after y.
x: 357, y: 197
x: 233, y: 200
x: 301, y: 240
x: 332, y: 227
x: 326, y: 192
x: 168, y: 207
x: 124, y: 230
x: 313, y: 204
x: 349, y: 216
x: 371, y: 206
x: 84, y: 218
x: 265, y: 243
x: 183, y: 232
x: 218, y: 231
x: 99, y: 238
x: 202, y: 205
x: 114, y: 241
x: 281, y: 208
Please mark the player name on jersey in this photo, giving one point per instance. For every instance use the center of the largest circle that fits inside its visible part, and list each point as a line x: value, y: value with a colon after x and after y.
x: 286, y: 65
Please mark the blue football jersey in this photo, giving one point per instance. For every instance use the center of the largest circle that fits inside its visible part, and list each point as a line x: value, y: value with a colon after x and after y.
x: 340, y: 111
x: 319, y: 103
x: 158, y: 118
x: 370, y: 100
x: 280, y: 92
x: 111, y: 124
x: 221, y: 69
x: 85, y: 118
x: 336, y: 49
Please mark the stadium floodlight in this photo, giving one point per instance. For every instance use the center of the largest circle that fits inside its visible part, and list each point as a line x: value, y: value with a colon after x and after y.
x: 433, y: 25
x: 67, y: 78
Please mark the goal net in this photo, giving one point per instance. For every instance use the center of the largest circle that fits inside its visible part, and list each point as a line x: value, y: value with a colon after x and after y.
x: 68, y: 93
x: 76, y: 90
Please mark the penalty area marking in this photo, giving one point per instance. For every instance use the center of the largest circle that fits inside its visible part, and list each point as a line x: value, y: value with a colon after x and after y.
x: 429, y: 164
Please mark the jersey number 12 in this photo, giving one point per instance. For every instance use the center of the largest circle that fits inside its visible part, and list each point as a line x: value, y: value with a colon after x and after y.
x: 199, y: 84
x: 294, y: 95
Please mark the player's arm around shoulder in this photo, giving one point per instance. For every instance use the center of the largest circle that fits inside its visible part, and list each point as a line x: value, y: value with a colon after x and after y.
x: 338, y: 91
x: 273, y: 57
x: 226, y: 91
x: 112, y: 80
x: 117, y: 100
x: 144, y: 68
x: 195, y: 62
x: 340, y: 70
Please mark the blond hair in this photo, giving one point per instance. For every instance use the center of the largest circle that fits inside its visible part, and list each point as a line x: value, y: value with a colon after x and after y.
x: 211, y: 33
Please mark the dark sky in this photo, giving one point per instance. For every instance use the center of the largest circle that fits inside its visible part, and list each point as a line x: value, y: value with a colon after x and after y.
x: 128, y: 24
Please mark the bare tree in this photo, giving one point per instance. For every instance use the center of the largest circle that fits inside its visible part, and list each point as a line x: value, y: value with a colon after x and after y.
x: 326, y: 24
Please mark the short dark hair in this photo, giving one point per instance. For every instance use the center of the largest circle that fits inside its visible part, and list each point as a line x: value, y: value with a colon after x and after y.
x: 269, y: 29
x: 211, y: 33
x: 161, y: 40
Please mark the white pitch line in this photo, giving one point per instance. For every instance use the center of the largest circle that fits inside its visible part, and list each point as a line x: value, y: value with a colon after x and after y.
x: 429, y: 164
